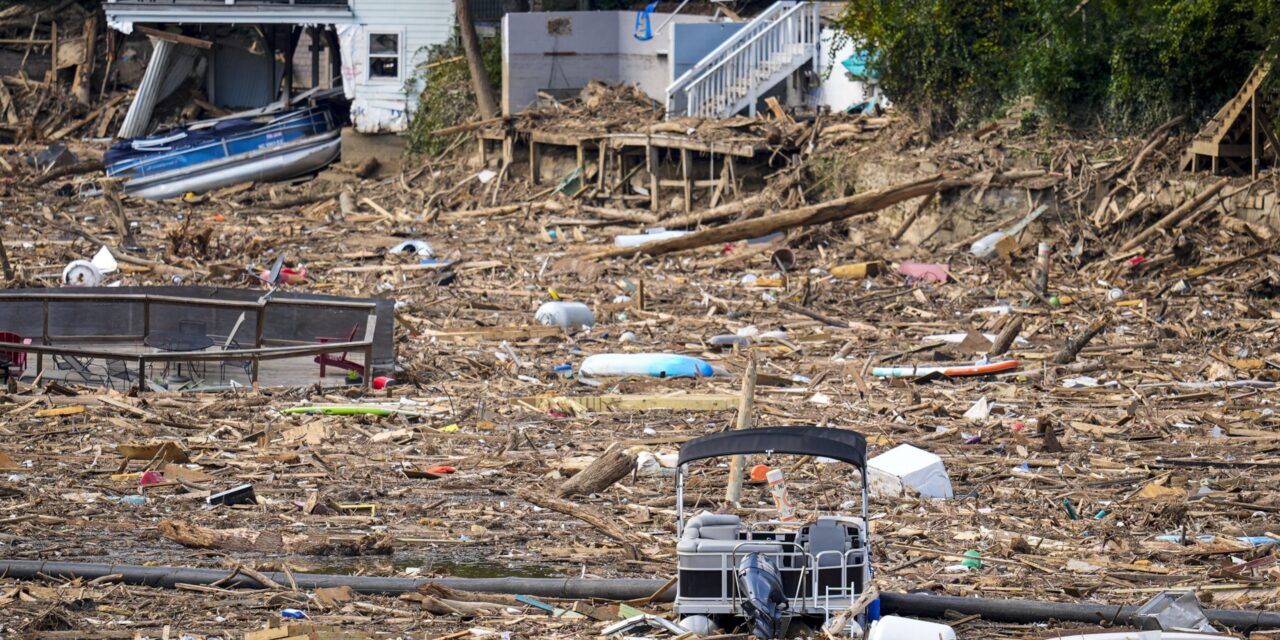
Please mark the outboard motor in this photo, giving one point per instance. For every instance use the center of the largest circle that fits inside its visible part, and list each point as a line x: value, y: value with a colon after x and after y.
x: 763, y: 599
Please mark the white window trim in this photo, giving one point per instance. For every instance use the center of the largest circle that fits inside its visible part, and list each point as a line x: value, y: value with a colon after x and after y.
x: 368, y: 56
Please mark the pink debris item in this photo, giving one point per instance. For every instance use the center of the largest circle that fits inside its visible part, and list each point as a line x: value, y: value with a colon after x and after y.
x: 924, y: 271
x: 288, y: 276
x: 150, y: 478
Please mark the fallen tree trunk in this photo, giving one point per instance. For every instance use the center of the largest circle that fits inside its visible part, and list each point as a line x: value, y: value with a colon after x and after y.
x: 822, y: 213
x: 602, y: 524
x: 613, y: 465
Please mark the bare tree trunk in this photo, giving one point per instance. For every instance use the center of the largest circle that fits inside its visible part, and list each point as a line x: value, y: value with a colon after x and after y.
x: 479, y: 75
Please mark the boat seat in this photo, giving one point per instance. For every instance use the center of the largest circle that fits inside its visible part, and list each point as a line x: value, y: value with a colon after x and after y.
x: 823, y: 537
x: 718, y: 533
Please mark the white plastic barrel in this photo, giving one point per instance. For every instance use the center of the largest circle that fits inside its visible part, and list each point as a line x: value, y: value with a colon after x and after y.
x: 570, y: 316
x: 895, y: 628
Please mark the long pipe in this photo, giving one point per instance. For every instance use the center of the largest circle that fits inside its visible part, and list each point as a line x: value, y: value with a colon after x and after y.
x: 1026, y: 611
x: 907, y: 604
x: 167, y: 577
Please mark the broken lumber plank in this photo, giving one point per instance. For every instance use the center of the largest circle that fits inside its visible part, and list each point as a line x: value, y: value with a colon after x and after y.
x: 1175, y: 216
x: 176, y: 38
x: 839, y: 209
x: 608, y: 403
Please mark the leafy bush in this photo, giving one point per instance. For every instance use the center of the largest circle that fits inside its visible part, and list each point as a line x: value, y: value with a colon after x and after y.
x: 1125, y: 64
x: 447, y: 98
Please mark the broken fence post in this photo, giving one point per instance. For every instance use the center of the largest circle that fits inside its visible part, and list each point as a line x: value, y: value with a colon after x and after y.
x: 733, y: 492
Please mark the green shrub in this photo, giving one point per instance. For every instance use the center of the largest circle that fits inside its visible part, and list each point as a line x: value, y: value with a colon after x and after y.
x: 1124, y: 64
x: 447, y: 98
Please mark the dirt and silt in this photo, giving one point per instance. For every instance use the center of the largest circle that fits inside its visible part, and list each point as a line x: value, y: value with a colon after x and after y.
x: 1065, y: 475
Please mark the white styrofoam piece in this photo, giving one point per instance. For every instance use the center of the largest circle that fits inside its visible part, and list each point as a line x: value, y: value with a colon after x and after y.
x: 890, y: 473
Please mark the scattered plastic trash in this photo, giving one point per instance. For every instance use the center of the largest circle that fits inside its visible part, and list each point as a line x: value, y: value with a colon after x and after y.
x: 999, y: 309
x: 486, y: 175
x: 897, y: 628
x: 415, y: 247
x: 972, y: 559
x: 151, y: 478
x: 242, y: 494
x: 286, y: 275
x: 1253, y: 541
x: 293, y: 614
x: 760, y: 472
x: 935, y: 273
x: 783, y: 259
x: 915, y: 370
x: 1116, y: 293
x: 105, y: 261
x: 570, y: 316
x: 1172, y: 611
x: 857, y: 270
x: 634, y: 624
x: 134, y: 500
x: 892, y: 472
x: 382, y: 382
x: 957, y: 338
x: 980, y: 411
x: 651, y: 235
x: 657, y: 365
x: 778, y: 489
x: 1079, y: 382
x: 701, y: 625
x: 81, y: 273
x: 985, y: 247
x: 729, y: 341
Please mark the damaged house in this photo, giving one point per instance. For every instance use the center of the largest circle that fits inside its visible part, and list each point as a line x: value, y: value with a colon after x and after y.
x: 269, y: 54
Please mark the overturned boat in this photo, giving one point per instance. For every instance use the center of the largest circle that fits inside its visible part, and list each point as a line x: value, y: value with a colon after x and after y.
x: 209, y: 156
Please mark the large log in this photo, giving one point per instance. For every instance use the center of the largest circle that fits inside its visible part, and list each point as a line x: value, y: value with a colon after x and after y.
x: 822, y: 213
x: 1176, y: 215
x: 614, y: 465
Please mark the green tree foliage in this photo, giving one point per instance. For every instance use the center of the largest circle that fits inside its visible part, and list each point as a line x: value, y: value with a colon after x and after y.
x: 447, y: 98
x: 1122, y: 64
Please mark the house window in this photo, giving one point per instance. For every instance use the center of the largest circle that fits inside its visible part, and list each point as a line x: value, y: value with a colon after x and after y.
x: 384, y: 56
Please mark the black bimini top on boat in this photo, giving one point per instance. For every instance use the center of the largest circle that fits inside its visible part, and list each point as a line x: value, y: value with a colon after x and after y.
x: 840, y: 444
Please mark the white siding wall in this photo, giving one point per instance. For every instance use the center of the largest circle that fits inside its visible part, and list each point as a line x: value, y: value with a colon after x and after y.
x: 420, y: 24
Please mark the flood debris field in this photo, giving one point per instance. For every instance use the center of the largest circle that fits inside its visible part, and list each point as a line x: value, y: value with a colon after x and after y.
x: 1131, y: 451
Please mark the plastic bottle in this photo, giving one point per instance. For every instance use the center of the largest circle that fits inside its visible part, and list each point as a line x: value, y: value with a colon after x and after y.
x: 729, y: 340
x: 778, y: 487
x: 654, y: 235
x: 657, y: 365
x: 570, y: 316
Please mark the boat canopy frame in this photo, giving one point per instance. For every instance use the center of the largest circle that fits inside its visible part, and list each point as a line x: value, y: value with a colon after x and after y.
x: 844, y: 445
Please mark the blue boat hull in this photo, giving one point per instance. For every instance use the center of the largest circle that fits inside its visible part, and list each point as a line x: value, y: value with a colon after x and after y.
x: 200, y: 159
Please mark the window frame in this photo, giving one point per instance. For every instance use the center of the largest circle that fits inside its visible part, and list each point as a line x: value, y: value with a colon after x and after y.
x: 370, y: 56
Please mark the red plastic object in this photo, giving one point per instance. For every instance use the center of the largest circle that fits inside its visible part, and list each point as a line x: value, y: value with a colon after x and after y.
x: 1137, y: 260
x: 924, y: 271
x: 150, y: 478
x: 289, y: 276
x: 759, y: 472
x: 382, y: 382
x: 1019, y: 426
x: 442, y: 470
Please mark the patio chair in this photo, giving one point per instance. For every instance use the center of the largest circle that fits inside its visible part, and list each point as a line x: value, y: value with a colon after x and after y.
x: 78, y: 367
x: 12, y: 363
x: 119, y: 370
x: 230, y: 345
x: 338, y: 361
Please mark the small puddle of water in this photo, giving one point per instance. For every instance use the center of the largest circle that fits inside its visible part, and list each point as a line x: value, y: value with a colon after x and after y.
x: 451, y: 568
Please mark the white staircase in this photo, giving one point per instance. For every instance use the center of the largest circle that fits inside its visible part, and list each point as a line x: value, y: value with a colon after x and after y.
x: 734, y: 76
